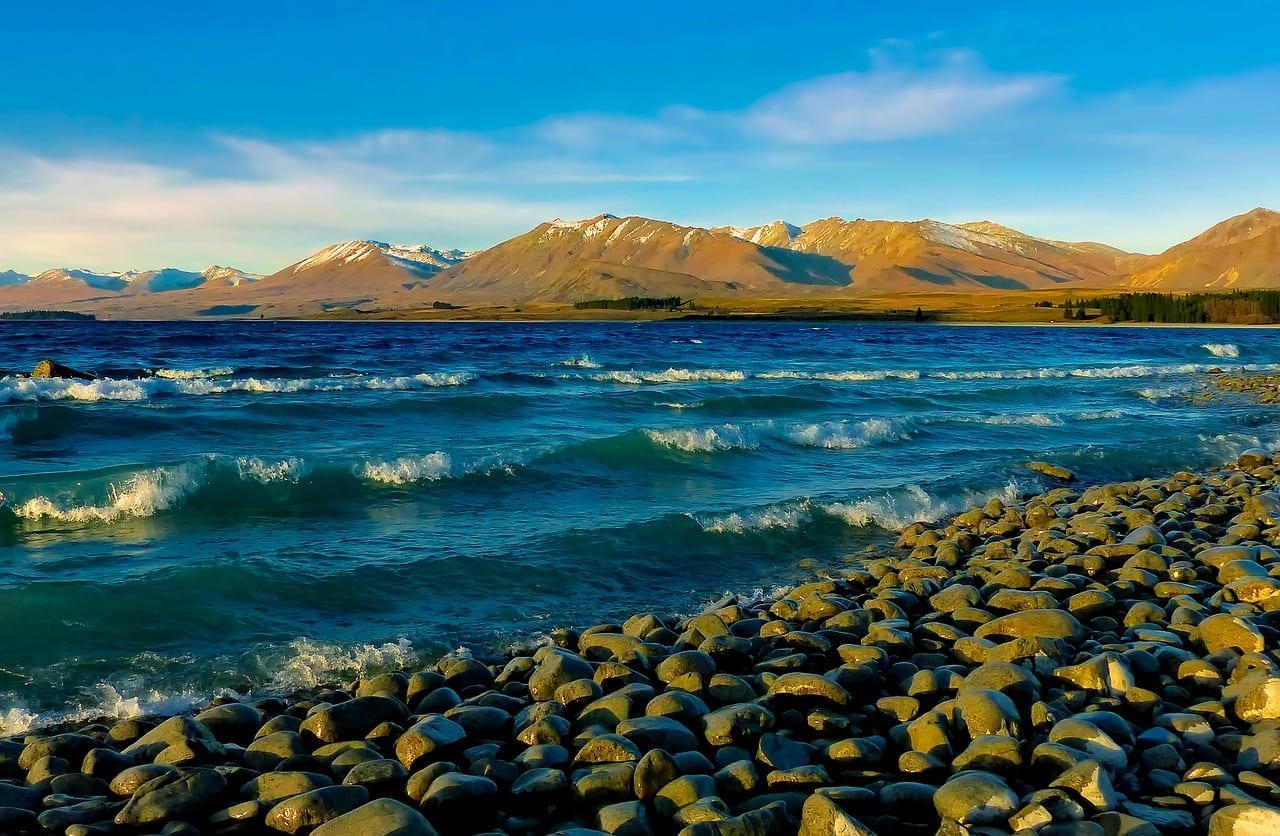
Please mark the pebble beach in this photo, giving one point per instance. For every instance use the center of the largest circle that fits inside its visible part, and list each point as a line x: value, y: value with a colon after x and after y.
x: 1090, y: 660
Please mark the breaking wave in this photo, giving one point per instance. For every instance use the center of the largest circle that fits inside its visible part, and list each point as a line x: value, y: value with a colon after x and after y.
x: 405, y: 471
x: 1222, y: 349
x: 845, y: 435
x: 583, y: 362
x: 673, y: 375
x: 141, y: 389
x: 709, y: 440
x: 894, y: 510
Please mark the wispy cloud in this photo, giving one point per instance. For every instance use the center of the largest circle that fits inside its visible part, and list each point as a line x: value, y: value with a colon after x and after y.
x: 889, y: 102
x: 897, y: 132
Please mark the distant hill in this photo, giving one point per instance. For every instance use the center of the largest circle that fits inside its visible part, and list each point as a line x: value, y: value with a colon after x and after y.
x: 1242, y: 252
x: 609, y: 257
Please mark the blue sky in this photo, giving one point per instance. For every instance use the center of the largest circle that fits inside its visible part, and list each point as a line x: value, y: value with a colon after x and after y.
x: 147, y: 134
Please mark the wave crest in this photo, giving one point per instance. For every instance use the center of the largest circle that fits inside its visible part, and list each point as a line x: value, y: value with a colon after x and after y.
x: 708, y: 440
x: 842, y: 435
x: 141, y: 389
x: 672, y: 375
x: 140, y: 495
x: 1222, y: 349
x: 431, y: 467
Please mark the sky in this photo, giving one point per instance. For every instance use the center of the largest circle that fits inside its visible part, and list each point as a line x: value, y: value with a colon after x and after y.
x: 143, y: 134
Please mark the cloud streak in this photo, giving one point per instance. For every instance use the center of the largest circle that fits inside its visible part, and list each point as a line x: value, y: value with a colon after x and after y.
x: 260, y: 204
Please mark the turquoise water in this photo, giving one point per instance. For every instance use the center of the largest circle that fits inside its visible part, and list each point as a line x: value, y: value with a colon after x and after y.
x: 262, y: 506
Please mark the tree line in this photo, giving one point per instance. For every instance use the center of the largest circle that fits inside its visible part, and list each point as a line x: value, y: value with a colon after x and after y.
x: 1248, y: 307
x: 634, y: 303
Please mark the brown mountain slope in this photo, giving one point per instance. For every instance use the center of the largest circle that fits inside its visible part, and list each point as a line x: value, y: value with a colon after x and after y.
x: 346, y: 274
x: 606, y: 256
x: 1241, y: 252
x: 931, y: 255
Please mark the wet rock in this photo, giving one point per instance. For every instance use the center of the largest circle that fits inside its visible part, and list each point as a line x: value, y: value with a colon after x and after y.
x: 426, y: 738
x: 975, y: 798
x: 383, y: 817
x: 172, y: 795
x: 302, y: 813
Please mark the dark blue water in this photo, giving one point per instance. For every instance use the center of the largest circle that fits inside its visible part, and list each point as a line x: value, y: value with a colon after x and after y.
x: 256, y: 506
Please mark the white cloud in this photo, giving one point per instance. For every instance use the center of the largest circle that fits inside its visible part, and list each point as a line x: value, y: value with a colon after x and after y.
x: 888, y: 103
x: 259, y: 204
x: 112, y: 214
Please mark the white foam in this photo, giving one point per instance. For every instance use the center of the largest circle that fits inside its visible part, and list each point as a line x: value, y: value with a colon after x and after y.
x: 898, y: 509
x: 103, y: 701
x: 1222, y: 349
x: 429, y: 468
x: 678, y: 405
x: 309, y: 663
x: 583, y: 362
x: 194, y: 374
x: 141, y: 389
x: 851, y: 376
x: 290, y: 469
x: 141, y: 495
x: 1129, y: 371
x: 709, y: 440
x: 894, y: 510
x: 843, y: 435
x: 786, y: 517
x: 1032, y: 419
x: 636, y: 378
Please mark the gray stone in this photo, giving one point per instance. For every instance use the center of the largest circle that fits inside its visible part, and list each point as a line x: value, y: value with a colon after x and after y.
x: 173, y: 795
x: 302, y: 813
x: 383, y: 817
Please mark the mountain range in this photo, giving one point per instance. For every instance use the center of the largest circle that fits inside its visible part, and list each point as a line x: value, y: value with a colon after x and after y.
x: 611, y: 257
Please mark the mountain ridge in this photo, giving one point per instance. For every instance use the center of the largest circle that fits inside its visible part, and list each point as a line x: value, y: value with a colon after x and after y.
x: 607, y: 256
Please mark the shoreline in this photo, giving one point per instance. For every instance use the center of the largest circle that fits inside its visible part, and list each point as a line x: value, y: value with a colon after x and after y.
x: 1103, y: 654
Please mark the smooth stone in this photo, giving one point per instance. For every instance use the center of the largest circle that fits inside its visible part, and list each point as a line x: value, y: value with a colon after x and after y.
x: 626, y: 818
x: 1221, y: 631
x: 975, y: 798
x: 311, y: 809
x: 382, y: 817
x: 823, y: 816
x: 1089, y: 781
x: 653, y: 772
x: 809, y: 687
x: 276, y: 786
x: 1049, y: 624
x: 738, y: 723
x: 426, y: 738
x: 172, y: 796
x: 1254, y: 819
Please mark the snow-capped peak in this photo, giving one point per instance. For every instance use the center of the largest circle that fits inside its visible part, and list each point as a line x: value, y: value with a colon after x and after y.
x: 228, y: 276
x: 345, y: 252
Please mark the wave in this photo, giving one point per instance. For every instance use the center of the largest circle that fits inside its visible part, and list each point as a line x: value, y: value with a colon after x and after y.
x: 141, y: 389
x: 1033, y: 419
x: 431, y: 467
x: 1222, y: 349
x: 302, y: 663
x: 894, y: 510
x: 583, y: 362
x: 1129, y: 371
x: 843, y: 376
x: 844, y: 435
x: 215, y: 482
x: 139, y: 495
x: 194, y: 374
x: 709, y: 440
x: 672, y: 375
x: 829, y: 435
